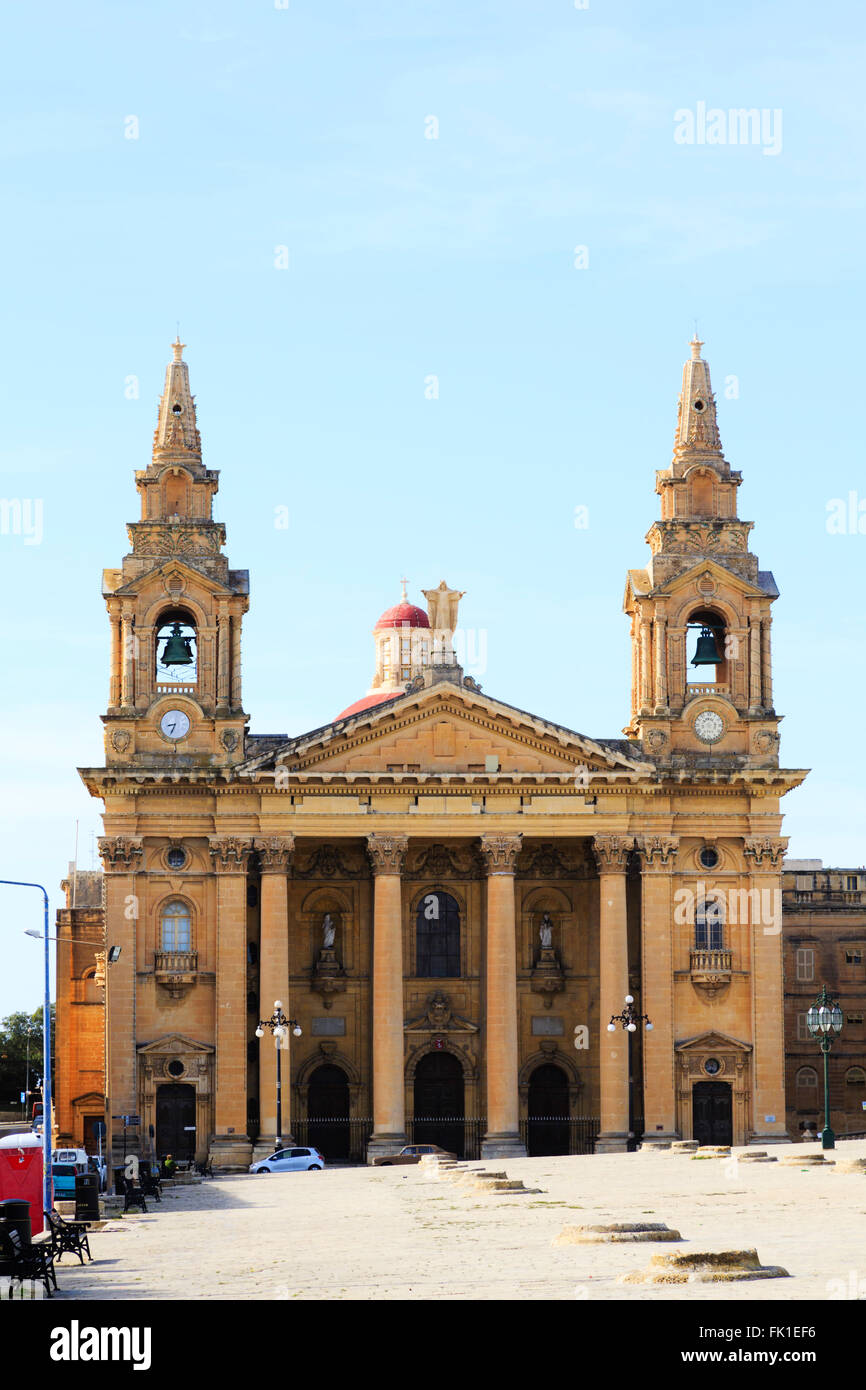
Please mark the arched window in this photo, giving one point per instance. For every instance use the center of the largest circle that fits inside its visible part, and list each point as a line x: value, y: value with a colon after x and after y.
x: 710, y: 924
x: 175, y: 927
x: 708, y: 641
x: 807, y: 1088
x: 855, y: 1076
x: 176, y: 647
x: 437, y: 936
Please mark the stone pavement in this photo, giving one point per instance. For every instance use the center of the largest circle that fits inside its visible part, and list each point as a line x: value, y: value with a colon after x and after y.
x: 395, y: 1233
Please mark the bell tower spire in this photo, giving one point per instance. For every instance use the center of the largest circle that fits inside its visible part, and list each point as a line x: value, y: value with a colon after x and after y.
x: 700, y: 610
x: 176, y: 431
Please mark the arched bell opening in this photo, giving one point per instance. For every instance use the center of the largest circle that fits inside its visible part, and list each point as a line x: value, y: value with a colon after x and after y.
x: 707, y: 648
x: 176, y: 648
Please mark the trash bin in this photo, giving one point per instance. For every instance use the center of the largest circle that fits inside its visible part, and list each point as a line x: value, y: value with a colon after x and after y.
x: 87, y: 1197
x: 15, y: 1213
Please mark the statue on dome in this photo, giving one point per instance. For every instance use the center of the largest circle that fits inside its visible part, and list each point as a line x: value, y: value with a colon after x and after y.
x: 442, y: 606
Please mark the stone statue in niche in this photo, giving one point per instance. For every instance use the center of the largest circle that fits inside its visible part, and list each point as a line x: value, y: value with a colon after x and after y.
x: 545, y: 932
x: 328, y: 977
x: 329, y: 931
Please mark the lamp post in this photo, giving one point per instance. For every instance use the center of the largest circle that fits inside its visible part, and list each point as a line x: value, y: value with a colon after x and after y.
x: 824, y: 1021
x: 629, y: 1020
x: 47, y: 1184
x: 279, y: 1026
x: 111, y: 956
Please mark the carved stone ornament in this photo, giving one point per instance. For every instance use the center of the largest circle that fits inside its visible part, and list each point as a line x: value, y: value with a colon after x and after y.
x: 656, y: 739
x: 120, y: 740
x: 438, y: 1017
x: 229, y: 738
x: 229, y: 854
x: 657, y: 851
x: 766, y: 741
x: 328, y: 862
x: 501, y: 852
x: 275, y: 853
x: 547, y: 861
x: 121, y: 854
x: 387, y: 853
x: 442, y: 861
x: 765, y: 851
x: 611, y: 852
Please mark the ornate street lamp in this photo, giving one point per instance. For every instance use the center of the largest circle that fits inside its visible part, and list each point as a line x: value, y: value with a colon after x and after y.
x: 629, y: 1020
x: 824, y: 1021
x: 279, y: 1026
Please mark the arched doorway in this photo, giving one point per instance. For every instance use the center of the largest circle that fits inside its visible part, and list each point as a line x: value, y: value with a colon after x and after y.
x: 439, y: 1102
x: 548, y: 1111
x: 328, y: 1110
x: 712, y: 1113
x: 175, y: 1121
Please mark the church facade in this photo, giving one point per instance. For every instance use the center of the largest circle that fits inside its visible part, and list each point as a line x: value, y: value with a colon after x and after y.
x: 450, y: 897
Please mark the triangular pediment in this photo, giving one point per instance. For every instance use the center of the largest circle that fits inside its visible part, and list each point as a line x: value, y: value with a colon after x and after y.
x: 687, y: 579
x: 712, y: 1041
x: 174, y: 1042
x: 172, y: 569
x: 448, y: 728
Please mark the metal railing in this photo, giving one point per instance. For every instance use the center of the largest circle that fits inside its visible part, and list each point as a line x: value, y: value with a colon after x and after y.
x: 564, y: 1134
x: 341, y: 1139
x: 344, y: 1139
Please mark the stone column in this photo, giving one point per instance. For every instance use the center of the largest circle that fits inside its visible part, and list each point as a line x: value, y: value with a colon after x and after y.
x: 611, y: 853
x: 116, y: 660
x: 127, y: 647
x: 754, y: 665
x: 768, y: 1044
x: 661, y: 666
x: 223, y: 640
x: 766, y: 666
x: 230, y: 1148
x: 275, y: 857
x: 236, y: 700
x: 502, y: 1139
x: 121, y: 861
x: 658, y: 858
x: 645, y: 667
x: 387, y: 853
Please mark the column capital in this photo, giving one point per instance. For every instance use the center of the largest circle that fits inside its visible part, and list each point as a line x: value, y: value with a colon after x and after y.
x: 387, y: 853
x: 229, y: 854
x: 275, y: 852
x: 120, y: 854
x: 500, y: 853
x: 611, y: 852
x: 765, y: 851
x: 658, y: 853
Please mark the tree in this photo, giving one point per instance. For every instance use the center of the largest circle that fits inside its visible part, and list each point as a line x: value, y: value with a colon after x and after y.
x: 21, y: 1034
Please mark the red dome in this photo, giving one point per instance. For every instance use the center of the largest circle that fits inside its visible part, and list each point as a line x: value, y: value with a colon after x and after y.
x: 368, y: 702
x: 401, y: 613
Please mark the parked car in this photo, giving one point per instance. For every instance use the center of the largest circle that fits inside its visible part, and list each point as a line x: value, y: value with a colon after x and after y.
x: 413, y: 1153
x: 290, y: 1161
x: 66, y: 1166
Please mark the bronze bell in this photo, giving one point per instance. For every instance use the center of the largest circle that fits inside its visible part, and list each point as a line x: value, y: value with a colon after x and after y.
x: 178, y: 649
x: 707, y: 653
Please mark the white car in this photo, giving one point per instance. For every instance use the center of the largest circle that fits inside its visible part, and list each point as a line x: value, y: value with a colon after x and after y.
x: 289, y: 1161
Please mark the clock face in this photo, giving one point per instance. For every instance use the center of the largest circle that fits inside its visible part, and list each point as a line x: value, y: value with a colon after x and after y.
x: 709, y: 726
x: 174, y: 723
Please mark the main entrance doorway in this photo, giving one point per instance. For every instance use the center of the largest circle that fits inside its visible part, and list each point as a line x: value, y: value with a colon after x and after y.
x: 328, y: 1109
x: 439, y: 1102
x: 712, y: 1113
x: 175, y: 1121
x: 548, y: 1111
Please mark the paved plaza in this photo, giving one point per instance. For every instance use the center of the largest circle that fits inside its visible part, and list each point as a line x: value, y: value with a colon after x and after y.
x: 395, y: 1233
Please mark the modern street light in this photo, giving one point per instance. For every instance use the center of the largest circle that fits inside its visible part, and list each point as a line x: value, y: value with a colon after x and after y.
x: 629, y: 1020
x: 47, y: 1184
x: 824, y: 1021
x: 279, y: 1026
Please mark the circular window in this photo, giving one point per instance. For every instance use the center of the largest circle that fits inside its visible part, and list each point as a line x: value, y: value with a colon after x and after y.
x: 176, y: 857
x: 708, y: 857
x: 699, y: 405
x: 175, y: 1068
x: 176, y: 409
x: 712, y: 1066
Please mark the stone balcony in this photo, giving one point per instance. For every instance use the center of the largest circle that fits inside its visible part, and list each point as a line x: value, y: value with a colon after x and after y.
x: 175, y: 970
x: 710, y: 969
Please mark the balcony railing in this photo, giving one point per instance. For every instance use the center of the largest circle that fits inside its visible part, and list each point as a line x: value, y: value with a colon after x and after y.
x: 176, y: 687
x: 702, y: 689
x: 176, y: 964
x: 711, y: 967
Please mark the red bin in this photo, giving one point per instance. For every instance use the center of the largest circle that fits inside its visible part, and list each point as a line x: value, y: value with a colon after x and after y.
x: 21, y: 1173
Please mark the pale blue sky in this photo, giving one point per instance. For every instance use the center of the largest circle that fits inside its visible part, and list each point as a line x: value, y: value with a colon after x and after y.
x: 409, y: 257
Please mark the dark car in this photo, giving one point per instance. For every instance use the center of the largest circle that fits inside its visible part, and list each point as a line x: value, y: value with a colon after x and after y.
x: 413, y: 1153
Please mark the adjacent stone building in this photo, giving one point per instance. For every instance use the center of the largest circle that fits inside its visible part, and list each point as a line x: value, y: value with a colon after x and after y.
x: 449, y: 895
x: 825, y: 944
